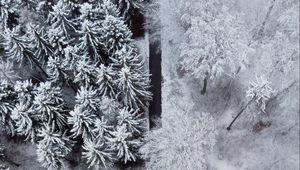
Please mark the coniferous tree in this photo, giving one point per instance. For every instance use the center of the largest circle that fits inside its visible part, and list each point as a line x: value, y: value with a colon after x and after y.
x: 106, y: 80
x: 7, y: 7
x: 89, y: 40
x: 7, y: 102
x: 59, y: 19
x: 132, y: 80
x: 82, y: 122
x: 41, y: 47
x: 260, y: 91
x: 25, y: 117
x: 49, y: 104
x: 123, y: 143
x: 53, y: 147
x: 18, y: 50
x: 115, y: 34
x: 85, y: 72
x: 97, y: 153
x: 6, y: 71
x: 132, y: 120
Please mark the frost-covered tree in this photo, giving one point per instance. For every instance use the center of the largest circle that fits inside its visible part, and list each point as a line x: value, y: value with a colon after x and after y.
x: 41, y: 47
x: 49, y: 104
x: 82, y: 122
x: 97, y: 153
x: 109, y: 8
x: 183, y: 142
x: 18, y: 49
x: 132, y: 120
x: 132, y: 80
x: 59, y: 19
x: 101, y: 128
x: 115, y: 34
x: 57, y: 73
x: 7, y: 7
x: 260, y: 91
x: 53, y: 148
x: 89, y: 40
x: 7, y: 102
x: 23, y: 117
x: 6, y: 71
x: 75, y: 44
x: 216, y: 42
x: 70, y: 59
x: 123, y: 143
x: 25, y: 91
x: 88, y: 98
x: 85, y: 72
x: 26, y: 119
x: 106, y: 80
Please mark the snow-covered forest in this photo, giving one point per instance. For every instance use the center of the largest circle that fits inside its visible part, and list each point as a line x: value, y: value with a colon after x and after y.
x: 149, y: 84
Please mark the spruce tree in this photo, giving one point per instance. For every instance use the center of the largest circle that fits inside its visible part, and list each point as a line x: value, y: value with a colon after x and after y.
x: 133, y: 82
x: 115, y: 34
x: 89, y: 40
x: 7, y: 103
x: 17, y: 49
x: 53, y: 147
x: 49, y: 104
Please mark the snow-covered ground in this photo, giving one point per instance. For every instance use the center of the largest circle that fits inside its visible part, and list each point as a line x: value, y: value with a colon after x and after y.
x: 269, y: 141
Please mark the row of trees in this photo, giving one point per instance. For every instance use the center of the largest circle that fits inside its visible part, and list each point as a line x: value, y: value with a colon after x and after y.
x: 79, y: 46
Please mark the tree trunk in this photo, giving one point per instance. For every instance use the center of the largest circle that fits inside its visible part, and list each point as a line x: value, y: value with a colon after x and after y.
x: 261, y: 30
x: 203, y: 91
x: 243, y: 109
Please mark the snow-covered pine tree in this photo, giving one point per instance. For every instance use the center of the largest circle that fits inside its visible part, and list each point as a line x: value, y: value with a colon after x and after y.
x: 88, y: 98
x: 25, y: 91
x: 62, y: 30
x: 24, y: 116
x: 53, y: 147
x: 57, y: 73
x: 133, y: 82
x: 91, y: 11
x: 132, y: 120
x: 89, y: 41
x: 260, y: 91
x: 41, y: 47
x: 85, y: 72
x: 82, y: 122
x: 7, y: 103
x: 115, y: 34
x: 17, y: 48
x: 109, y: 107
x: 124, y: 144
x: 97, y: 153
x: 106, y: 81
x: 50, y: 106
x: 109, y: 8
x: 7, y: 72
x: 101, y: 128
x: 7, y: 7
x: 70, y: 59
x: 59, y: 19
x: 68, y: 39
